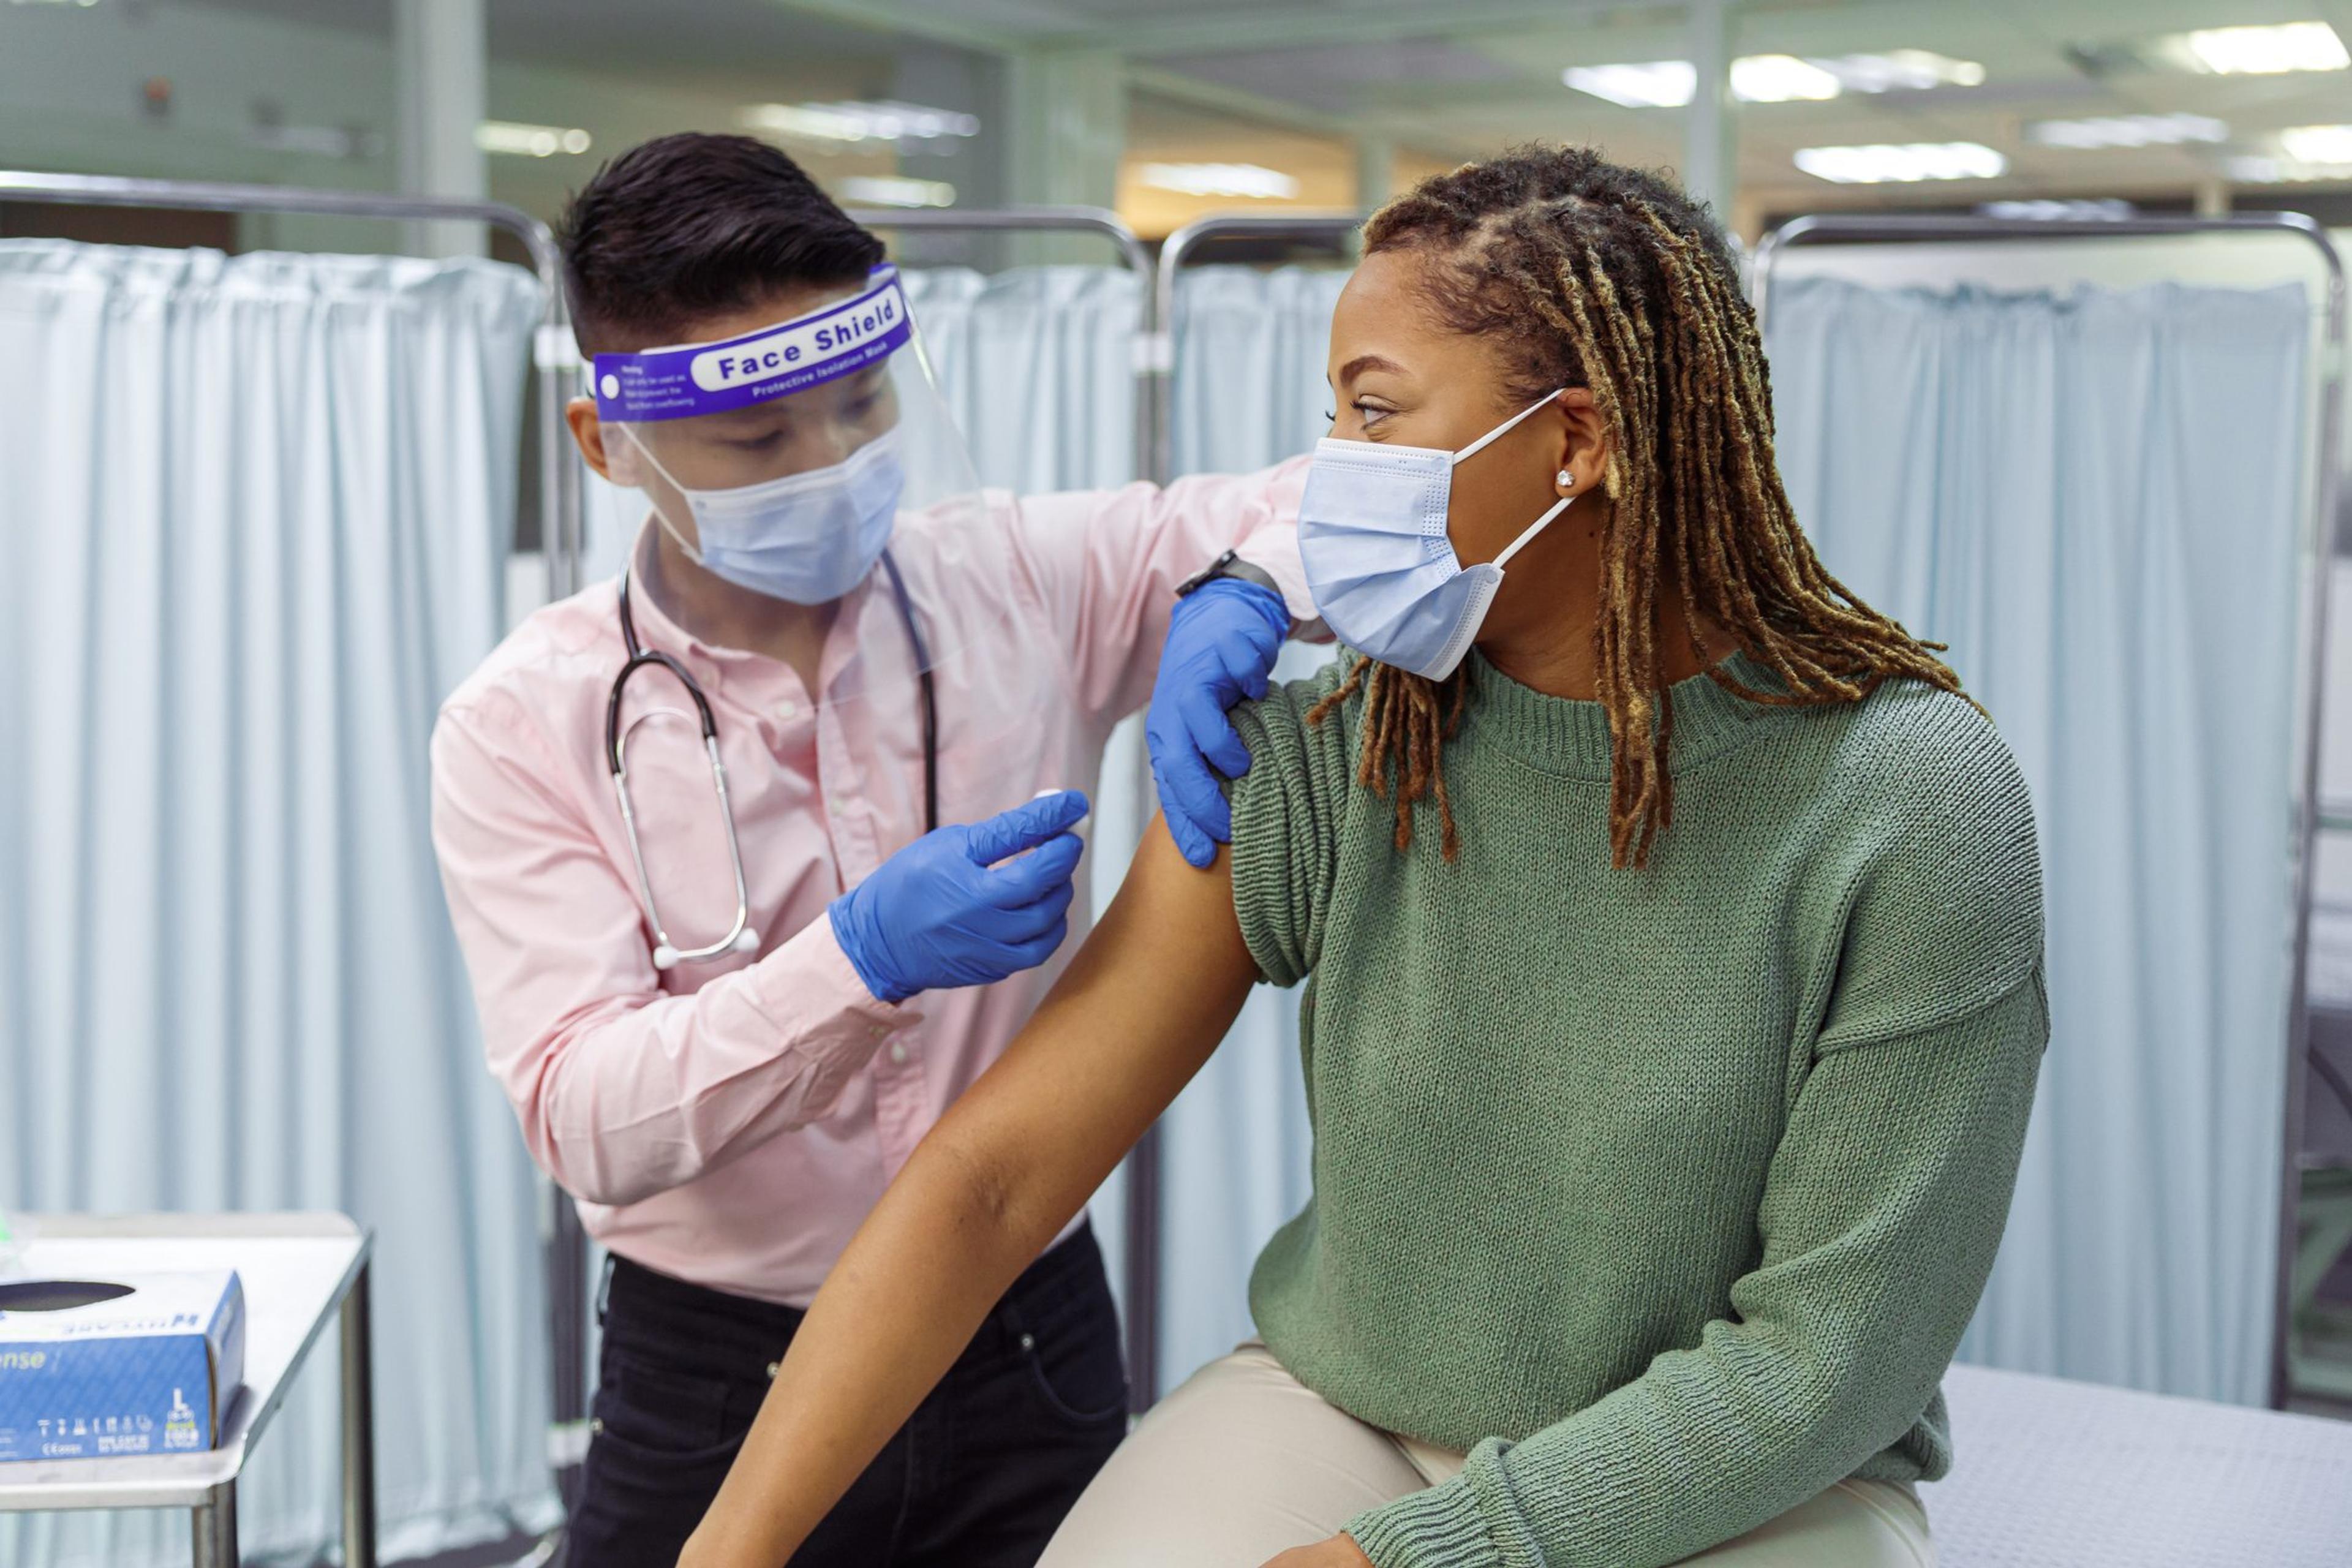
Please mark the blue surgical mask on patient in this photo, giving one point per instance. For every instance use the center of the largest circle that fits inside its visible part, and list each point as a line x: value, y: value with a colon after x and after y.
x: 1371, y: 535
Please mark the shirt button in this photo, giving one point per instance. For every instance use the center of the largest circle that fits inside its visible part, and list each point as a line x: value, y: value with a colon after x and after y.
x: 898, y: 1051
x: 773, y: 1368
x: 788, y: 707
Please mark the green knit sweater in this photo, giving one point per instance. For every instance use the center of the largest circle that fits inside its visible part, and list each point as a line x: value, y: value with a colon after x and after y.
x: 1665, y: 1192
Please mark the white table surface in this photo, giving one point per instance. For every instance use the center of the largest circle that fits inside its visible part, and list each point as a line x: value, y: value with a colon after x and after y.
x: 296, y: 1270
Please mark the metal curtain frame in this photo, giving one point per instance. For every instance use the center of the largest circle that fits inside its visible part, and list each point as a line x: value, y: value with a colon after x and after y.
x: 559, y: 485
x: 1143, y: 1173
x: 1174, y: 253
x: 2322, y: 550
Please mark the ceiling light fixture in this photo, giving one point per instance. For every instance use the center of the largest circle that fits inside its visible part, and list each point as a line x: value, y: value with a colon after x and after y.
x: 1882, y: 162
x: 1774, y: 79
x: 2128, y: 131
x: 2318, y: 143
x: 1916, y: 69
x: 2256, y: 51
x: 853, y: 121
x: 896, y: 191
x: 512, y: 138
x: 1652, y: 84
x: 1248, y: 180
x: 1781, y: 78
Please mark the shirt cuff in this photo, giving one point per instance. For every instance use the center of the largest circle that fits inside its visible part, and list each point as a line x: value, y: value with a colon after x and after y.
x: 810, y: 991
x: 1439, y: 1528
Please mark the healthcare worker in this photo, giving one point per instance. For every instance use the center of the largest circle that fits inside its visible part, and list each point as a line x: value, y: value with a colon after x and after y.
x: 759, y: 853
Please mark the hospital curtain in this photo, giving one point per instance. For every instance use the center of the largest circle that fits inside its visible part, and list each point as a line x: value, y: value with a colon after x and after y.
x: 2094, y: 496
x: 1249, y: 391
x: 257, y: 511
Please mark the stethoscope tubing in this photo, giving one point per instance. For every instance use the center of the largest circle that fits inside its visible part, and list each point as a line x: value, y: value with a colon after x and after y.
x: 740, y: 937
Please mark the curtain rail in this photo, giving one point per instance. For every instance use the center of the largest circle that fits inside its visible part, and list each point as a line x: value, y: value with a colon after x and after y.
x: 559, y: 484
x: 2327, y: 479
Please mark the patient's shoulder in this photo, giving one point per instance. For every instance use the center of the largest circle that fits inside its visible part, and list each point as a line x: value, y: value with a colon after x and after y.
x: 1304, y: 742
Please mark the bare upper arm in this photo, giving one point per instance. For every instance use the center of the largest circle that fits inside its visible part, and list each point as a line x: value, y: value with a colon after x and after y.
x: 1141, y: 1007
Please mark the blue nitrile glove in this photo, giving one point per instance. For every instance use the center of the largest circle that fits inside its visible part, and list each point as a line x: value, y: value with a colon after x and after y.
x: 1221, y: 644
x: 943, y: 911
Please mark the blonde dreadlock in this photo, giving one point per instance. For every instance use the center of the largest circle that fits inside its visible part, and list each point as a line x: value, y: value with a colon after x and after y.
x: 1607, y: 278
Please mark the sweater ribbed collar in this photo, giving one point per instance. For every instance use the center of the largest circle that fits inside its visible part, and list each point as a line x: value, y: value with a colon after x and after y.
x: 1563, y: 736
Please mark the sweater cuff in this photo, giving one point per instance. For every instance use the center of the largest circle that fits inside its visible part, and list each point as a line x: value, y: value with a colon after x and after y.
x: 1439, y: 1528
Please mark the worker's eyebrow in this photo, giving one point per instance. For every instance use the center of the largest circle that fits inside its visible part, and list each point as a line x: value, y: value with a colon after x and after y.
x: 1362, y: 363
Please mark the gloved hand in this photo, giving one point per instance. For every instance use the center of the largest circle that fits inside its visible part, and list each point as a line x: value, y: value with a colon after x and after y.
x: 1221, y: 644
x: 943, y: 911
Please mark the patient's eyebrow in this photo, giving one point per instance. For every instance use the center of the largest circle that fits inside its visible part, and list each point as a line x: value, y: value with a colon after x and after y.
x: 1362, y: 363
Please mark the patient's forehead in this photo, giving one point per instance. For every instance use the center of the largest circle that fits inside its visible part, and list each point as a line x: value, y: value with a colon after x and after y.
x: 1387, y: 311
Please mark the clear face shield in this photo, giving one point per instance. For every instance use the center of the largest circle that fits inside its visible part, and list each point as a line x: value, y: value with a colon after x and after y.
x: 815, y: 462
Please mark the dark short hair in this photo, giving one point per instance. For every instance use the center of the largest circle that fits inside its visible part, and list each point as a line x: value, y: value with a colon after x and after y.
x: 685, y: 227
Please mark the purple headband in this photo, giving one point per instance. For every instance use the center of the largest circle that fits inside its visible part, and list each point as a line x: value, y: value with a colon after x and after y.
x: 711, y: 378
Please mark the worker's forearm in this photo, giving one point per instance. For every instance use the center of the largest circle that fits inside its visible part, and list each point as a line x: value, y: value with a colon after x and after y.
x: 896, y: 1311
x: 646, y: 1093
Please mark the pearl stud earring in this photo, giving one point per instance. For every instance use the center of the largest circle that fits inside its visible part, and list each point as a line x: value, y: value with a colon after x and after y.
x: 1567, y: 479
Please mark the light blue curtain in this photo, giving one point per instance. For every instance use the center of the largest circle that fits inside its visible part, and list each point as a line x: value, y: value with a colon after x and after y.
x: 257, y: 511
x: 2094, y: 496
x: 1250, y: 349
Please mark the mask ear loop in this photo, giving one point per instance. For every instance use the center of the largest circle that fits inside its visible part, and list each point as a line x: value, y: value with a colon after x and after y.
x: 1496, y: 433
x: 646, y: 454
x: 1505, y: 428
x: 1533, y: 528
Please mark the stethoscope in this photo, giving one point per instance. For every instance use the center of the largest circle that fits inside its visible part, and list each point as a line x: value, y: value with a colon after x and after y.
x: 740, y: 937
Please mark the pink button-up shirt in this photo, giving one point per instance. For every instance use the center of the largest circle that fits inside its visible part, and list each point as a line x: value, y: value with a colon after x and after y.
x: 730, y: 1122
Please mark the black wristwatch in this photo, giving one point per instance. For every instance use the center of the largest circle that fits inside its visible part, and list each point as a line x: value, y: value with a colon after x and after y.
x: 1229, y: 565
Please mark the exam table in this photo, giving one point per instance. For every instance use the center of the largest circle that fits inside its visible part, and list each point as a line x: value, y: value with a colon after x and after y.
x: 2055, y: 1474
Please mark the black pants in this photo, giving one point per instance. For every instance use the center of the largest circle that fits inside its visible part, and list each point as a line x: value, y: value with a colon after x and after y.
x: 979, y: 1476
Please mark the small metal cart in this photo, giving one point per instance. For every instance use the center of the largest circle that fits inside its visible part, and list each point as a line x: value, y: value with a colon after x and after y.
x: 298, y: 1270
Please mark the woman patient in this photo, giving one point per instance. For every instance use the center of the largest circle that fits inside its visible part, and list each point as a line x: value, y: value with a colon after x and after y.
x: 1672, y: 932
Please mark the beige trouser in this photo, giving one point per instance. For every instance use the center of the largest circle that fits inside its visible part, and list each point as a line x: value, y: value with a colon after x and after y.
x: 1242, y: 1462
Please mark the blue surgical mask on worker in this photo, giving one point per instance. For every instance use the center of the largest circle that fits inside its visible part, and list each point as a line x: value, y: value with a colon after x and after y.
x: 1371, y: 536
x: 809, y: 537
